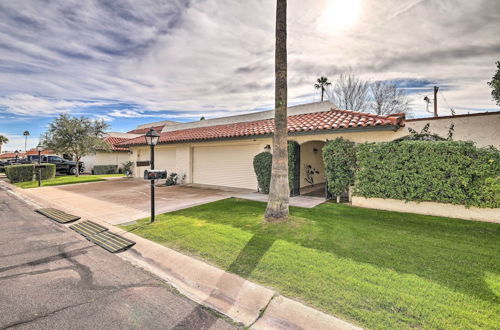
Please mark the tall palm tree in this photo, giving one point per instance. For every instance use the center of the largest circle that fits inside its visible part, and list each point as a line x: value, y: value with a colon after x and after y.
x: 322, y: 83
x: 3, y: 140
x: 279, y: 192
x: 26, y: 134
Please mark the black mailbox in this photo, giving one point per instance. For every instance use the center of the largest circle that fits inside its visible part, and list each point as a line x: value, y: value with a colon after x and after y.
x: 155, y: 174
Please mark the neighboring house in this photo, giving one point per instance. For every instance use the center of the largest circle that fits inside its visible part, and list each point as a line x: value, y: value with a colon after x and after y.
x: 11, y: 155
x: 220, y: 152
x: 116, y: 155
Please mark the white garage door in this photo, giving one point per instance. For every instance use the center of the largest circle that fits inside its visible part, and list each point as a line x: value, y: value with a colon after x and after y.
x: 230, y: 166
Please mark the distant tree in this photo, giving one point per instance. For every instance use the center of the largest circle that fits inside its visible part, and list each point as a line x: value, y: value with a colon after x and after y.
x: 26, y: 134
x: 349, y: 92
x: 322, y: 83
x: 75, y: 136
x: 495, y: 85
x: 3, y: 140
x: 279, y: 191
x: 202, y: 118
x: 388, y: 98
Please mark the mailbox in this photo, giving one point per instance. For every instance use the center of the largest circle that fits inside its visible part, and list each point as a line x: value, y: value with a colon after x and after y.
x: 155, y: 174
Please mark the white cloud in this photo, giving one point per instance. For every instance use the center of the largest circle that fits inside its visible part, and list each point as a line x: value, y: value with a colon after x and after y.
x: 16, y: 142
x: 218, y: 56
x: 25, y: 104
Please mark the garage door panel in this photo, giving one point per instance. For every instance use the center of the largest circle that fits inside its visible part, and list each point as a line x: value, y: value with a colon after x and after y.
x: 230, y: 166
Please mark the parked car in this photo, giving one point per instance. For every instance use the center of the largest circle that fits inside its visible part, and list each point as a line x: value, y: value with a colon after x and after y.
x: 62, y: 165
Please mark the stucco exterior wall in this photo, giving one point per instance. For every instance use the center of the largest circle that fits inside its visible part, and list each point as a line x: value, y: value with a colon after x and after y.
x: 105, y: 158
x: 430, y: 208
x: 484, y: 130
x: 309, y: 157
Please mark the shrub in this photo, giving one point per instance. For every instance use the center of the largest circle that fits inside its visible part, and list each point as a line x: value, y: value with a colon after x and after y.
x: 339, y: 157
x: 19, y: 173
x: 294, y: 167
x: 105, y: 169
x: 262, y: 164
x: 453, y: 172
x: 127, y: 167
x: 175, y: 179
x: 48, y: 171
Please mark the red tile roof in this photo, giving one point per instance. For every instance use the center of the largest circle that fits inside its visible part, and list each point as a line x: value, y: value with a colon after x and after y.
x: 114, y: 141
x: 35, y: 152
x: 9, y: 155
x: 145, y: 130
x: 318, y: 121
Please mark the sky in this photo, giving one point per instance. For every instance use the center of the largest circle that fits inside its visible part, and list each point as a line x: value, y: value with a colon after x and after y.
x: 132, y: 62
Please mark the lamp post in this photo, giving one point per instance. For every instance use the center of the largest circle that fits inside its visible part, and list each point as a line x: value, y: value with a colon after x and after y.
x: 152, y: 138
x: 39, y: 148
x: 17, y: 155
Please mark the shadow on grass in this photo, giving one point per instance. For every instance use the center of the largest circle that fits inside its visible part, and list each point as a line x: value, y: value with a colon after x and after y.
x: 454, y: 253
x: 246, y: 261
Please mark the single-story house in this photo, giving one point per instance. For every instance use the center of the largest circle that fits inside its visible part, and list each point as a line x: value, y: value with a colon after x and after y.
x: 219, y: 152
x: 118, y: 155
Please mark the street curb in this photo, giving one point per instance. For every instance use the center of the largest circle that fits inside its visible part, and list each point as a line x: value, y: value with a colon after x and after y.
x: 246, y: 302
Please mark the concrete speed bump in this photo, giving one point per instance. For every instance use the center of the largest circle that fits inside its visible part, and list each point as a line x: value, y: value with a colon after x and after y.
x: 110, y: 241
x: 88, y: 228
x: 58, y: 215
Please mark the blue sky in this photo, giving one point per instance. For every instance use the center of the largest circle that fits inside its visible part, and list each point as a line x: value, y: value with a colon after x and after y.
x: 132, y: 62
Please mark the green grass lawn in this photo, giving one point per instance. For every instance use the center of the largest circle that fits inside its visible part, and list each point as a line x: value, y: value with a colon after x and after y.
x: 375, y: 268
x: 67, y: 179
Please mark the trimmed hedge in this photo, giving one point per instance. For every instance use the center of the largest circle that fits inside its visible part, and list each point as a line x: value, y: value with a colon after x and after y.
x: 339, y: 157
x: 20, y: 173
x: 455, y: 172
x: 262, y: 164
x: 105, y: 169
x: 294, y: 167
x: 48, y: 171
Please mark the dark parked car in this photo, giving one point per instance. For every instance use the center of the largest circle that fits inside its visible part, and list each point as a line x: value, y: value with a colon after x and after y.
x: 62, y: 165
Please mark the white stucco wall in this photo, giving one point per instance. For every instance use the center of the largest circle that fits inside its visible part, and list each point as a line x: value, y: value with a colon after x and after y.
x: 484, y: 130
x: 105, y: 158
x: 309, y: 157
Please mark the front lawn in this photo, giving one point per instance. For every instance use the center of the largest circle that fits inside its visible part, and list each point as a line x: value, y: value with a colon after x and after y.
x: 67, y: 179
x: 375, y: 268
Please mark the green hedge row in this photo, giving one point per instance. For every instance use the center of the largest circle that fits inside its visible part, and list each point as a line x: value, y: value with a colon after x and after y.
x: 48, y: 172
x: 20, y: 173
x: 339, y: 157
x: 262, y: 164
x: 105, y: 169
x: 455, y: 172
x: 28, y: 172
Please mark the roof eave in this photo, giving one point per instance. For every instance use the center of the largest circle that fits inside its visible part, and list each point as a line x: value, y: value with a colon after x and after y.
x: 393, y: 128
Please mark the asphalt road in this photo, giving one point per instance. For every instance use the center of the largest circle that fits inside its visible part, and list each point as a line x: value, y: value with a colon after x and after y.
x: 52, y: 278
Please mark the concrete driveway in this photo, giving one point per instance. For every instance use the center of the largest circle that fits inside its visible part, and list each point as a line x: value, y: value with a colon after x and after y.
x: 122, y: 200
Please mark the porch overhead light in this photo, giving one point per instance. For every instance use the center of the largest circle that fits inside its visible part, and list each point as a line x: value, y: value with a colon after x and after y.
x: 152, y: 137
x: 267, y: 148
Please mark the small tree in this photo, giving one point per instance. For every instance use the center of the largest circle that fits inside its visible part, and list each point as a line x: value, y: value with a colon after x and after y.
x: 339, y: 156
x: 75, y: 136
x: 322, y: 83
x: 388, y: 98
x: 349, y: 92
x: 495, y: 85
x: 3, y: 140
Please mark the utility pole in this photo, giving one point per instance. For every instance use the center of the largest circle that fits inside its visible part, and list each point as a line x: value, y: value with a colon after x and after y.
x: 436, y: 88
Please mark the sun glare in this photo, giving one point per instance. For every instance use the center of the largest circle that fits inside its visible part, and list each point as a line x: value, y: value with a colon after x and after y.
x: 340, y: 15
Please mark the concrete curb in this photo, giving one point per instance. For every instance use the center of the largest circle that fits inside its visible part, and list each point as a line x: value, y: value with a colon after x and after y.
x: 251, y: 304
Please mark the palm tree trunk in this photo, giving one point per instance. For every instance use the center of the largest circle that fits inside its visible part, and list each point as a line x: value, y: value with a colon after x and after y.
x: 322, y: 92
x: 279, y: 192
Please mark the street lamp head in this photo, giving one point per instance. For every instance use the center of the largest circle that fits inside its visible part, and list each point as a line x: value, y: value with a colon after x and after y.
x: 16, y: 153
x: 152, y: 137
x: 39, y: 148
